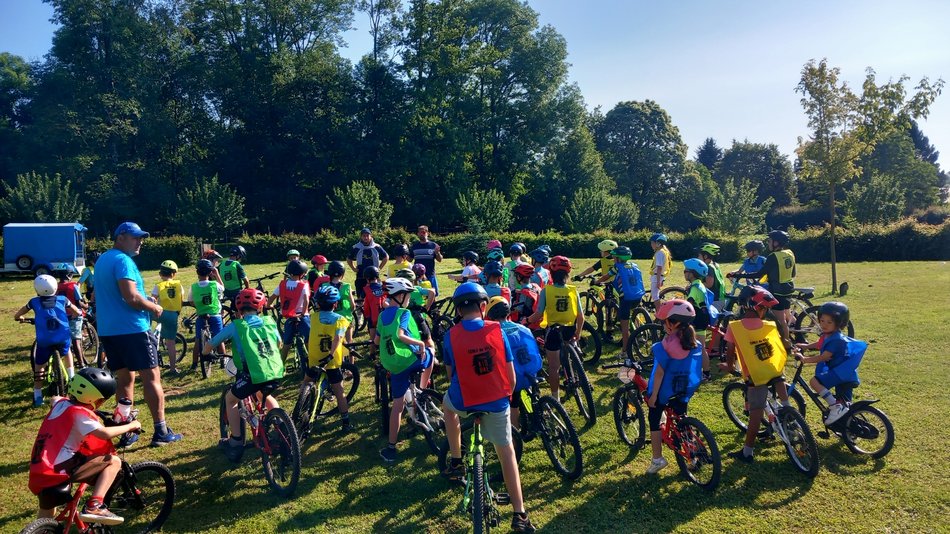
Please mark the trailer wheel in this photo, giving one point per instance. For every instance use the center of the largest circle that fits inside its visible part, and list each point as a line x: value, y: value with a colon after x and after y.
x: 41, y: 270
x: 24, y: 263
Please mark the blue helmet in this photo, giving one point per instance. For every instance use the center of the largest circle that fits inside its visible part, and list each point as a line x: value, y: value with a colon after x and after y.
x: 696, y: 265
x: 327, y: 294
x: 540, y: 255
x: 659, y: 238
x: 468, y: 293
x: 516, y: 248
x: 204, y: 267
x: 493, y: 268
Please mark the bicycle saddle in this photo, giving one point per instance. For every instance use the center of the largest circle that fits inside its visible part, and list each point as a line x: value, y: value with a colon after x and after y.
x: 57, y: 495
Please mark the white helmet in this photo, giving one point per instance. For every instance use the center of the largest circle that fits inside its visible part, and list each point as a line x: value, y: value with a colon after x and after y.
x: 45, y: 285
x: 398, y: 286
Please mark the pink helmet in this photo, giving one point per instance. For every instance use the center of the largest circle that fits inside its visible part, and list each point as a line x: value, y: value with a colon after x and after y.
x: 676, y: 310
x: 494, y: 243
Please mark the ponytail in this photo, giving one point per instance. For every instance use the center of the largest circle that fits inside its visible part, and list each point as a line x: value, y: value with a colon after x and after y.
x: 686, y: 335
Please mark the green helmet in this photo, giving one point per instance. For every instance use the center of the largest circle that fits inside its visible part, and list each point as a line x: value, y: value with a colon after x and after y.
x: 622, y: 253
x: 607, y: 245
x: 90, y: 384
x: 293, y: 252
x: 709, y: 248
x: 408, y: 274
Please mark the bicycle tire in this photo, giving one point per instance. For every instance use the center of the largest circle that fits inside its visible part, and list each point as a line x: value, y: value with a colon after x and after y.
x: 359, y: 321
x: 466, y: 424
x: 583, y: 391
x: 858, y: 428
x: 733, y: 402
x: 43, y: 526
x: 223, y: 431
x: 382, y: 399
x: 281, y: 437
x: 205, y: 362
x: 700, y: 445
x: 799, y: 442
x: 559, y: 438
x: 806, y: 328
x: 671, y: 292
x: 126, y: 497
x: 301, y: 356
x: 640, y: 317
x: 90, y: 341
x: 430, y: 403
x: 592, y: 311
x: 628, y: 410
x: 479, y: 504
x: 641, y: 342
x: 302, y: 414
x: 590, y: 345
x: 609, y: 310
x: 57, y: 374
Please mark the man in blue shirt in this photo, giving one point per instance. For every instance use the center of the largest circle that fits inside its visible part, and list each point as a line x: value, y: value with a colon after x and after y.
x: 427, y: 253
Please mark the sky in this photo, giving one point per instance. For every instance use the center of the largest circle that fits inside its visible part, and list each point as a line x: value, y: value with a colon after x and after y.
x: 721, y: 69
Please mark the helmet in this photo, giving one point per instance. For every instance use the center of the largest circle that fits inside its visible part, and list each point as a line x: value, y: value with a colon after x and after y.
x: 170, y: 265
x: 212, y: 254
x: 540, y: 255
x: 494, y: 243
x: 622, y: 253
x: 239, y: 251
x: 524, y: 270
x: 755, y: 245
x: 470, y: 256
x: 607, y: 245
x: 398, y: 286
x: 498, y: 308
x: 560, y: 263
x: 318, y: 260
x: 838, y: 310
x: 204, y: 267
x: 419, y: 270
x: 659, y: 238
x: 545, y: 248
x: 400, y: 250
x: 756, y: 297
x: 709, y: 248
x: 328, y: 294
x: 676, y: 310
x: 293, y: 252
x: 697, y: 266
x: 779, y: 236
x: 369, y: 273
x: 516, y: 248
x: 468, y: 293
x: 90, y: 384
x: 496, y: 254
x: 406, y: 273
x: 296, y: 268
x: 493, y: 268
x: 336, y: 268
x: 45, y: 285
x: 521, y: 245
x: 250, y: 298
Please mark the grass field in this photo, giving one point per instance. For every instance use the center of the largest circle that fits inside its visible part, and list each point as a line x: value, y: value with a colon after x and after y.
x: 902, y: 309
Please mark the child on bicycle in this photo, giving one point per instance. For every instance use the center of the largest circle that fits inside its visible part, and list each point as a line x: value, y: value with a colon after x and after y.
x: 402, y: 352
x: 754, y: 260
x: 73, y: 446
x: 374, y: 297
x: 515, y: 258
x: 70, y: 290
x: 325, y: 348
x: 525, y: 299
x: 255, y: 344
x: 661, y: 266
x: 628, y: 283
x: 605, y: 262
x: 494, y: 281
x: 317, y: 275
x: 400, y: 260
x: 481, y: 368
x: 838, y: 359
x: 560, y: 306
x: 86, y: 282
x: 294, y: 296
x: 422, y: 280
x: 52, y: 329
x: 168, y: 293
x: 701, y: 298
x: 756, y: 342
x: 205, y: 297
x: 714, y: 281
x: 677, y: 371
x: 336, y: 270
x: 293, y: 255
x: 779, y: 269
x: 470, y: 269
x: 232, y: 273
x: 420, y: 300
x: 539, y: 258
x: 524, y: 347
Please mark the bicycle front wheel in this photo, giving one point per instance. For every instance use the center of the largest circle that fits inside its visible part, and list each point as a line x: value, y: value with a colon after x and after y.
x: 799, y: 442
x: 359, y: 321
x: 303, y: 411
x: 280, y: 452
x: 90, y: 342
x: 582, y: 390
x: 559, y: 438
x: 670, y: 293
x: 806, y: 328
x: 867, y: 430
x: 145, y: 499
x: 45, y: 525
x: 641, y: 342
x: 698, y: 454
x: 629, y: 417
x: 480, y: 513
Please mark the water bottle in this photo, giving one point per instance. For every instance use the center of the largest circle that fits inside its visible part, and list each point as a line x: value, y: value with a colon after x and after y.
x: 769, y: 413
x: 122, y: 410
x: 409, y: 404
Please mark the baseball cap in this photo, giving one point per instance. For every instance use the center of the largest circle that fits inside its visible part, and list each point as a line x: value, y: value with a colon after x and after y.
x: 365, y: 231
x: 129, y: 227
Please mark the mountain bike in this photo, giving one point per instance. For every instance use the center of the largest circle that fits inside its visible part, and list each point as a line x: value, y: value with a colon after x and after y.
x: 697, y: 452
x: 297, y: 363
x: 316, y: 399
x: 55, y: 374
x: 273, y: 312
x: 181, y: 346
x: 600, y: 305
x: 544, y: 416
x: 574, y: 380
x: 207, y: 361
x: 143, y: 494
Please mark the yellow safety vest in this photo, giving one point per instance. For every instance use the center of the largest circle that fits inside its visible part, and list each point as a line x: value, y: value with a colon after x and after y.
x: 761, y: 352
x: 605, y: 265
x: 321, y: 341
x: 560, y: 305
x: 667, y: 266
x: 786, y: 265
x: 169, y: 295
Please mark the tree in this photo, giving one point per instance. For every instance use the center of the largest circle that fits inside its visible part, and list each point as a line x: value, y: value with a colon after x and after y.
x: 484, y: 210
x: 209, y: 209
x: 358, y: 205
x: 763, y: 165
x: 708, y: 154
x: 917, y: 179
x: 735, y: 209
x: 39, y: 198
x: 16, y: 84
x: 594, y: 209
x: 881, y: 201
x: 846, y: 126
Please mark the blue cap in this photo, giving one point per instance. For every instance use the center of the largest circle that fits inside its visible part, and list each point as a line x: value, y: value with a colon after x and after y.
x: 129, y: 227
x: 365, y: 231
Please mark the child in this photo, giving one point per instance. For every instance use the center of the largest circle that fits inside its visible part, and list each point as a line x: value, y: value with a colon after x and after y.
x: 662, y: 263
x: 525, y: 300
x: 497, y: 255
x: 628, y: 283
x: 73, y: 446
x: 470, y: 269
x: 701, y: 298
x: 779, y: 269
x: 400, y: 260
x: 346, y: 305
x: 524, y: 347
x: 169, y: 295
x: 756, y: 342
x: 560, y: 305
x: 70, y: 290
x: 293, y: 255
x: 540, y: 258
x: 677, y: 363
x: 422, y: 281
x: 708, y: 252
x: 205, y: 297
x: 294, y: 296
x: 494, y: 281
x: 515, y: 254
x: 605, y: 263
x: 255, y: 342
x: 838, y: 359
x: 232, y: 273
x: 420, y: 300
x: 754, y: 260
x: 316, y: 277
x: 86, y: 282
x: 401, y: 352
x: 471, y: 346
x: 52, y: 329
x: 374, y: 295
x: 215, y: 258
x: 326, y: 349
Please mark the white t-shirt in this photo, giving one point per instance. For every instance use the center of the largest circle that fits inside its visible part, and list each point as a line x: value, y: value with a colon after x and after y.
x: 660, y: 259
x: 470, y: 272
x: 81, y: 427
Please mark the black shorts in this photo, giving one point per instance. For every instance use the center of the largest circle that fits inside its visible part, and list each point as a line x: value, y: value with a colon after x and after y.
x: 784, y: 303
x: 334, y: 376
x: 134, y: 352
x: 359, y: 284
x: 679, y: 407
x: 556, y: 335
x: 244, y: 388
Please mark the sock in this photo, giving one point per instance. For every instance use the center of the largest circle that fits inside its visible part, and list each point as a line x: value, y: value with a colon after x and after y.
x: 161, y: 428
x: 345, y: 418
x: 37, y: 394
x: 235, y: 442
x: 391, y: 446
x: 747, y: 451
x: 70, y: 372
x: 826, y: 394
x: 94, y: 502
x: 786, y: 403
x: 455, y: 462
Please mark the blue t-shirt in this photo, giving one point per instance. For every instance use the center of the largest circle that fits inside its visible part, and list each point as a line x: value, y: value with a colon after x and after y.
x: 455, y: 391
x: 388, y: 314
x: 229, y: 331
x: 846, y: 356
x: 751, y: 265
x: 113, y: 316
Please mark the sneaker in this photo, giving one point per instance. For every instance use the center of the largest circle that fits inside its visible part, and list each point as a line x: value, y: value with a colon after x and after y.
x: 454, y: 474
x: 388, y: 454
x: 233, y: 452
x: 346, y: 427
x: 836, y: 412
x: 164, y: 439
x: 37, y: 402
x: 96, y: 512
x: 741, y: 456
x: 127, y: 440
x: 656, y: 465
x: 521, y: 523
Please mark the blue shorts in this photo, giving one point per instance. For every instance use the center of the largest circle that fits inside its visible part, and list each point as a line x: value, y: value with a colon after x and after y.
x: 169, y: 322
x: 399, y: 383
x: 75, y: 328
x: 844, y: 389
x: 215, y: 324
x: 42, y: 354
x: 293, y: 326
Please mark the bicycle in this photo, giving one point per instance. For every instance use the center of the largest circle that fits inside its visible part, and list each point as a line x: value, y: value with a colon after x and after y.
x: 312, y: 401
x: 299, y: 346
x: 601, y: 306
x: 545, y: 417
x: 181, y: 346
x: 272, y: 432
x: 697, y: 452
x: 575, y: 382
x: 273, y: 312
x: 640, y: 344
x: 207, y: 361
x: 55, y: 374
x: 143, y: 494
x: 424, y: 408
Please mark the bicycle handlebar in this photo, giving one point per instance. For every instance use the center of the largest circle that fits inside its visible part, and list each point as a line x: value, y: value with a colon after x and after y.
x: 27, y: 320
x: 265, y: 277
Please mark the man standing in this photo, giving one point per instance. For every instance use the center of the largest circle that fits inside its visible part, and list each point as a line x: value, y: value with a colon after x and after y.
x: 365, y: 253
x: 426, y: 253
x: 123, y: 322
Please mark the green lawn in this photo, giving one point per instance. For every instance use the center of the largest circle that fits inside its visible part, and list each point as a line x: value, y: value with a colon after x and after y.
x: 901, y: 308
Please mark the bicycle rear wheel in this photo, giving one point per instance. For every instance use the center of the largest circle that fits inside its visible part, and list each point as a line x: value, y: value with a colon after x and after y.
x: 280, y: 452
x: 301, y: 356
x: 799, y: 442
x: 382, y: 399
x: 90, y: 342
x: 359, y: 321
x: 146, y: 499
x: 806, y: 328
x: 640, y: 317
x: 670, y: 293
x: 698, y: 454
x: 45, y: 525
x: 57, y: 373
x: 430, y: 406
x: 479, y: 496
x: 303, y: 411
x: 206, y: 364
x: 559, y: 438
x: 590, y: 344
x: 581, y: 389
x: 609, y: 310
x: 223, y: 431
x: 867, y: 430
x: 629, y: 417
x: 734, y: 402
x: 351, y: 382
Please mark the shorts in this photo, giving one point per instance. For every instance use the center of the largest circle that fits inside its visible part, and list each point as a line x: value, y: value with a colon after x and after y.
x: 654, y: 415
x: 371, y: 317
x: 656, y: 283
x: 844, y: 389
x: 625, y: 307
x: 231, y: 294
x: 134, y: 352
x: 244, y: 388
x: 41, y: 355
x: 496, y: 426
x: 399, y: 382
x: 87, y: 471
x: 333, y: 376
x: 75, y: 328
x: 783, y: 303
x: 215, y: 324
x: 169, y: 322
x: 756, y: 396
x: 556, y: 335
x: 293, y: 326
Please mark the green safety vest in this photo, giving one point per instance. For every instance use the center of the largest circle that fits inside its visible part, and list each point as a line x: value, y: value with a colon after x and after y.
x: 206, y: 299
x: 261, y: 349
x: 395, y: 355
x: 343, y: 307
x: 719, y: 286
x: 229, y: 275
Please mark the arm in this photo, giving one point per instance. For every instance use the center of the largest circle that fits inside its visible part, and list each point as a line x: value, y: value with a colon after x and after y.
x: 430, y: 299
x: 243, y: 276
x: 579, y: 321
x: 20, y: 313
x: 403, y: 336
x: 111, y: 432
x: 335, y: 344
x: 437, y: 253
x: 131, y: 296
x: 225, y: 334
x: 539, y: 311
x: 383, y: 257
x: 72, y: 309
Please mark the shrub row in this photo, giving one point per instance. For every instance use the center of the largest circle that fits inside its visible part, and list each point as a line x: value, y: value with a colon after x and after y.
x: 183, y: 250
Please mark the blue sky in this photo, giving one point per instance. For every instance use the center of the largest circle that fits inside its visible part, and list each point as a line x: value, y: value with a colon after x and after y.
x: 723, y: 69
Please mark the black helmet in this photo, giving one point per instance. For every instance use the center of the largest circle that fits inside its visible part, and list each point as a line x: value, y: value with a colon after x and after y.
x: 204, y: 267
x: 779, y: 236
x: 400, y: 250
x: 296, y: 268
x: 470, y: 255
x: 838, y: 310
x: 755, y: 244
x: 369, y: 273
x: 239, y: 251
x: 90, y: 384
x: 336, y: 268
x: 493, y: 268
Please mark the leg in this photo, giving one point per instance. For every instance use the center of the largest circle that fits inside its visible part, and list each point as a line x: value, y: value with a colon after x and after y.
x: 554, y: 368
x: 106, y: 476
x: 509, y: 469
x: 395, y: 418
x: 172, y: 351
x: 153, y: 392
x: 340, y: 398
x: 453, y: 429
x: 234, y: 416
x: 624, y: 333
x: 125, y: 380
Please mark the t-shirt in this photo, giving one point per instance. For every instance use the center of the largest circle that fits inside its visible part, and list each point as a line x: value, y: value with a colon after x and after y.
x: 204, y: 283
x: 395, y: 266
x: 836, y: 344
x: 659, y: 260
x: 471, y: 272
x: 424, y: 253
x: 455, y: 391
x: 114, y: 317
x: 753, y: 265
x: 368, y: 258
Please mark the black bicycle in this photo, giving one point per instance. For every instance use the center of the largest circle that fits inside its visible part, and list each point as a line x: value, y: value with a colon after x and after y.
x: 545, y: 417
x: 316, y: 399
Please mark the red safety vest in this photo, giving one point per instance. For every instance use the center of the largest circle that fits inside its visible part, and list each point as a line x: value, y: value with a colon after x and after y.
x: 290, y: 297
x: 319, y: 281
x: 53, y: 447
x: 372, y: 304
x: 68, y: 290
x: 480, y: 363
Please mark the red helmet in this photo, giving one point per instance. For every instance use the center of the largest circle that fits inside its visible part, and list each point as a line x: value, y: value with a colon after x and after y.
x: 319, y: 260
x: 494, y: 243
x: 756, y: 297
x: 676, y: 310
x: 250, y: 298
x: 212, y: 254
x: 560, y: 263
x: 524, y: 270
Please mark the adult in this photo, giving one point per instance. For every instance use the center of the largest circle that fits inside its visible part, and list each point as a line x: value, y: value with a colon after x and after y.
x: 123, y: 318
x: 426, y: 253
x: 365, y: 253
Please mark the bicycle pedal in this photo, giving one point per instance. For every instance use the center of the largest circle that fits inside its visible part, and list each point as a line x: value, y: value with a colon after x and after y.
x: 502, y: 499
x: 823, y: 434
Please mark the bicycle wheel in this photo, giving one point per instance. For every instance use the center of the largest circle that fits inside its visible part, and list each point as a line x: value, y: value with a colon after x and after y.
x: 206, y: 362
x: 280, y: 452
x: 490, y: 457
x: 629, y: 417
x: 641, y: 342
x: 90, y: 342
x: 609, y: 309
x: 43, y: 526
x: 670, y: 293
x: 479, y: 504
x: 303, y: 411
x: 559, y: 438
x: 640, y: 317
x: 223, y: 431
x: 181, y: 347
x: 351, y: 382
x: 145, y: 499
x: 57, y: 374
x: 359, y: 321
x: 582, y: 391
x: 698, y: 454
x: 301, y: 356
x: 868, y: 430
x: 591, y: 308
x: 590, y: 344
x: 734, y: 402
x: 430, y: 412
x: 799, y: 442
x: 806, y: 328
x: 382, y: 399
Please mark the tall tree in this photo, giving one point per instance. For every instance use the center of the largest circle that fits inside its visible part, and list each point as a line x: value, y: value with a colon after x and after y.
x: 708, y: 154
x: 764, y: 166
x: 16, y: 84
